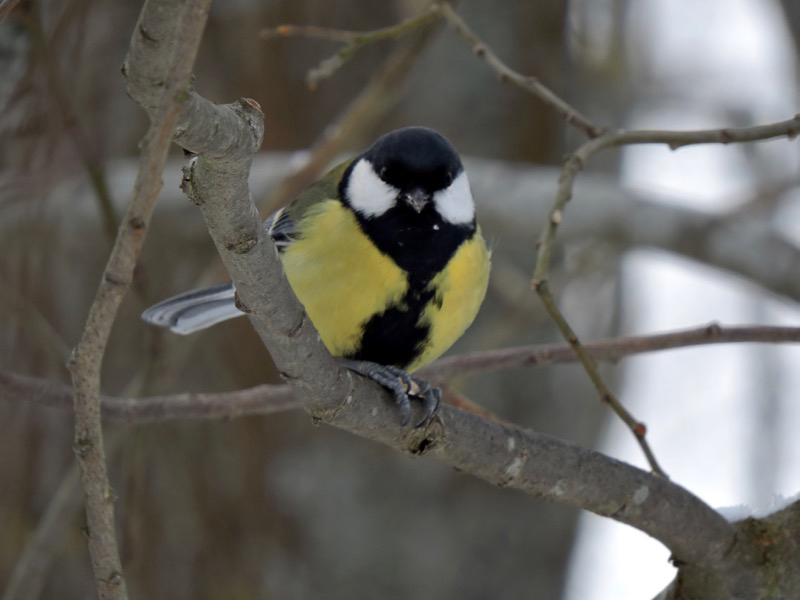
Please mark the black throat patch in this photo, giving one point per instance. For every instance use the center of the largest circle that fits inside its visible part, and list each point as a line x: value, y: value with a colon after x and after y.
x: 419, y: 243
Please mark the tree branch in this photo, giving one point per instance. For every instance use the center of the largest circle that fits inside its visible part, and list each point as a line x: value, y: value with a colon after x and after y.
x: 507, y: 456
x: 609, y: 212
x: 610, y: 350
x: 503, y: 455
x: 259, y: 400
x: 355, y: 40
x: 6, y: 6
x: 572, y: 167
x: 180, y: 37
x: 372, y: 103
x: 352, y: 41
x: 674, y: 139
x: 42, y: 547
x: 528, y: 83
x: 268, y: 399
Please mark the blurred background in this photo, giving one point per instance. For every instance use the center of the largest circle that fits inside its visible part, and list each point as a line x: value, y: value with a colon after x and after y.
x: 273, y: 507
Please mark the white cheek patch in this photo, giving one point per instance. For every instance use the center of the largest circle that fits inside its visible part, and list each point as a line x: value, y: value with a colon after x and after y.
x: 455, y: 203
x: 368, y: 193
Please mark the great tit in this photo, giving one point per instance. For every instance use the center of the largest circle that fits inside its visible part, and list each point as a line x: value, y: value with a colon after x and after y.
x: 386, y: 257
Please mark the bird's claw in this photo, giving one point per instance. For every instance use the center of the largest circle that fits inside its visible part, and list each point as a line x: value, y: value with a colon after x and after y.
x: 403, y: 387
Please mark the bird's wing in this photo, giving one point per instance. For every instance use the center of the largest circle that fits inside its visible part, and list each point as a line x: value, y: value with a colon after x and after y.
x: 282, y: 225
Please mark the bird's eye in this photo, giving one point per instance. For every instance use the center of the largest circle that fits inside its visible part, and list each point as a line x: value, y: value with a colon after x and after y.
x: 449, y: 178
x: 382, y: 173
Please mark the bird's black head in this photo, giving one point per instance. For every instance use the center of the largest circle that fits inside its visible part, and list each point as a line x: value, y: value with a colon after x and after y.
x: 411, y: 196
x: 415, y: 159
x: 413, y: 168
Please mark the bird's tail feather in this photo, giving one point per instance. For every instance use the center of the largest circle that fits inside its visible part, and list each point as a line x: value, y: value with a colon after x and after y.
x: 194, y: 310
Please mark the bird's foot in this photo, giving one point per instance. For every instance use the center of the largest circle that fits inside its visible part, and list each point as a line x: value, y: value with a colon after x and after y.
x: 403, y: 387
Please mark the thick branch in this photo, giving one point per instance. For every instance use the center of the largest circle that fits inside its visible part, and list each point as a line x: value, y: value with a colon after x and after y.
x: 507, y: 456
x: 504, y: 455
x: 511, y: 457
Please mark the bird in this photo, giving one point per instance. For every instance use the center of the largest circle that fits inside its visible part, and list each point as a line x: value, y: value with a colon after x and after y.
x: 386, y: 256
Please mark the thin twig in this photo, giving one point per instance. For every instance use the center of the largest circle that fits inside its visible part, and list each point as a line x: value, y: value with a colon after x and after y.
x: 372, y: 103
x: 30, y: 573
x: 609, y: 350
x: 638, y: 428
x: 6, y: 6
x: 573, y: 165
x: 528, y: 83
x: 268, y: 399
x: 789, y: 129
x: 33, y: 564
x: 259, y: 400
x: 87, y: 358
x: 74, y: 125
x: 353, y: 40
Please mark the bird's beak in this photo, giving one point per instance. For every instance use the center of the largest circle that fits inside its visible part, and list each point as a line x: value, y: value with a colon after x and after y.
x: 417, y: 199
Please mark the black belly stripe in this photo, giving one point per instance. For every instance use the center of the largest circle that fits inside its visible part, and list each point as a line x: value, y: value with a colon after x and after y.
x: 421, y: 244
x: 395, y: 336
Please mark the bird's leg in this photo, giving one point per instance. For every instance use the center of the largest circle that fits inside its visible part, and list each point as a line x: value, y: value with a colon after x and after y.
x: 403, y: 387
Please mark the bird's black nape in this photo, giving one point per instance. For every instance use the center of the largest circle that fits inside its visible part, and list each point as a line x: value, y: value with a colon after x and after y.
x: 415, y: 154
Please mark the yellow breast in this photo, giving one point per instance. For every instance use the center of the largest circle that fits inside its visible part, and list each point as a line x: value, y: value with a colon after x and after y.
x: 340, y: 277
x: 460, y: 289
x: 343, y: 280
